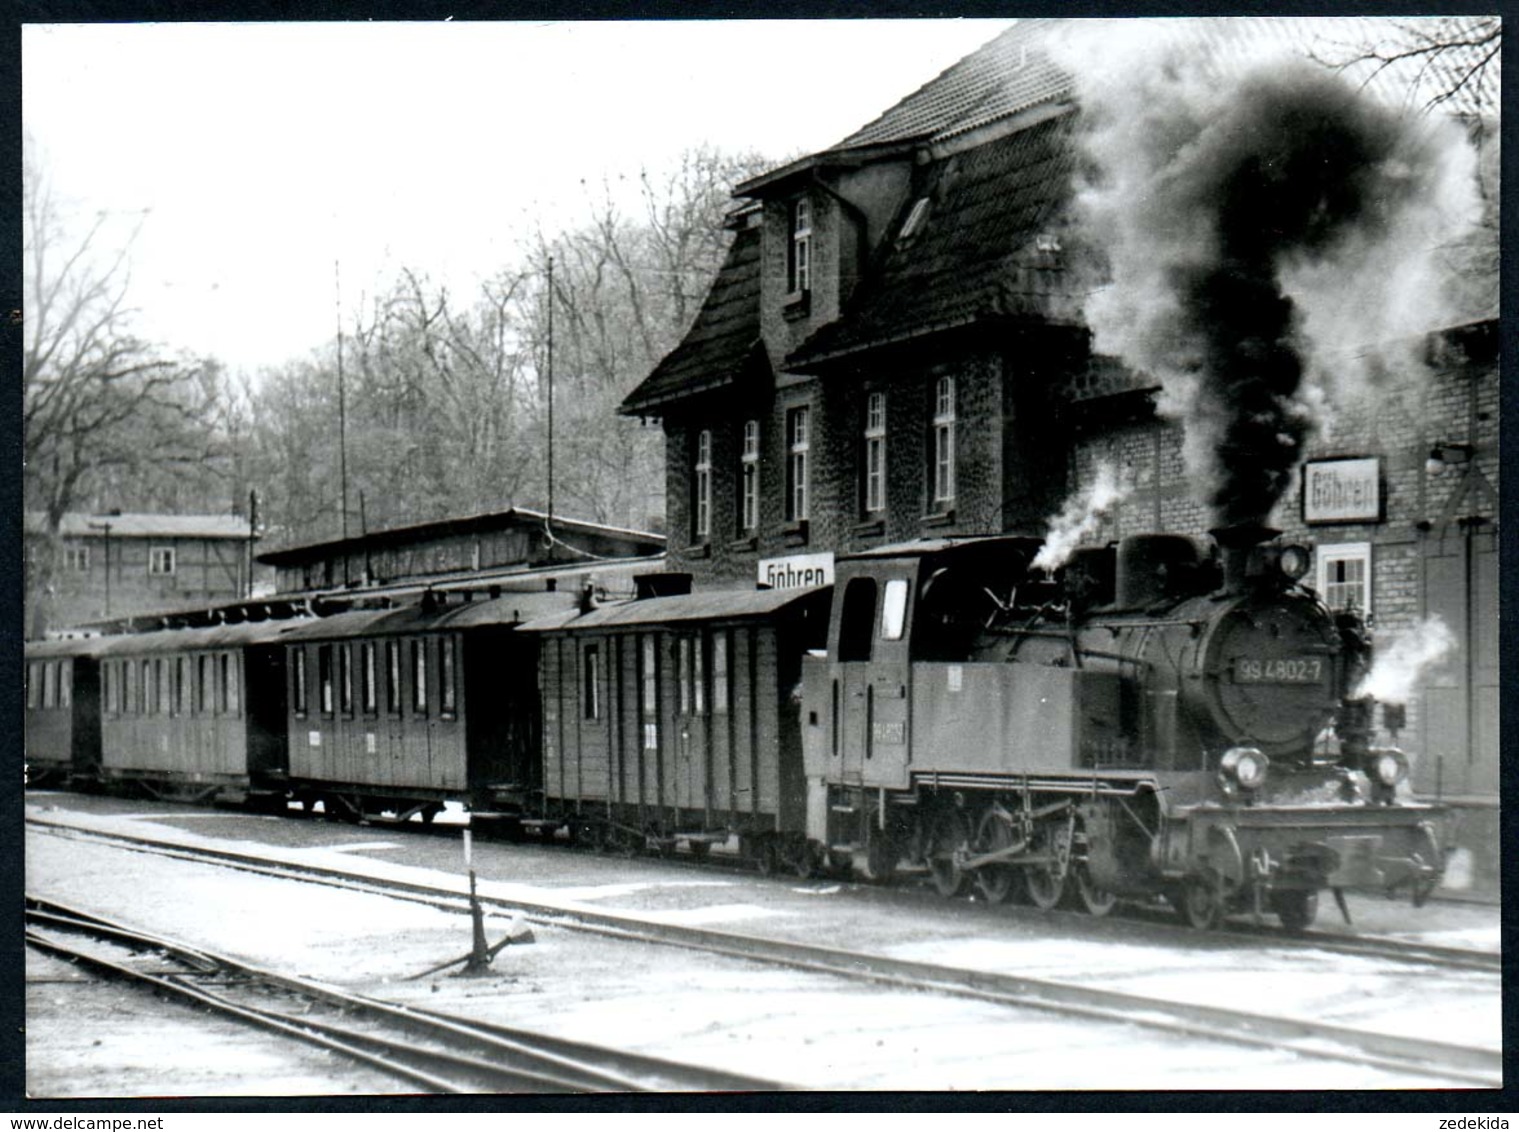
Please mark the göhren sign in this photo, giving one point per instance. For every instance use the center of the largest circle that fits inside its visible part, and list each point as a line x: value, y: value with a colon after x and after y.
x: 1342, y: 491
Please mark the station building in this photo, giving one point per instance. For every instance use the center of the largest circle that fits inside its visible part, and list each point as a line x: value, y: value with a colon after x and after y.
x: 894, y: 350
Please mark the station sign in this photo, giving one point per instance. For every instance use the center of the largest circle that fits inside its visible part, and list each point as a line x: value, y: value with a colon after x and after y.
x: 1342, y: 491
x: 796, y: 570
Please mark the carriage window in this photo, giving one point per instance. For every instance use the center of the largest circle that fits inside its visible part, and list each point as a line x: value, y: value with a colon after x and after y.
x: 65, y: 683
x: 186, y: 682
x: 720, y: 672
x: 231, y: 701
x: 149, y: 688
x: 324, y: 678
x: 108, y: 685
x: 419, y: 677
x: 49, y: 685
x: 590, y: 685
x: 447, y: 686
x: 683, y: 673
x: 203, y: 686
x: 162, y: 683
x: 345, y: 678
x: 369, y: 678
x: 857, y: 619
x: 393, y: 677
x: 699, y: 675
x: 298, y: 678
x: 128, y: 688
x: 649, y: 703
x: 894, y: 610
x: 33, y: 684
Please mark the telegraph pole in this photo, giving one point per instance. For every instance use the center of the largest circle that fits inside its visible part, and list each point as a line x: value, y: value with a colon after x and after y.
x: 549, y: 521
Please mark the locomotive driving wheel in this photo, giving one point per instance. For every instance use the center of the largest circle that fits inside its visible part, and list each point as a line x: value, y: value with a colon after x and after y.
x: 1199, y: 901
x: 993, y: 833
x: 1097, y: 901
x: 1045, y: 880
x: 951, y: 832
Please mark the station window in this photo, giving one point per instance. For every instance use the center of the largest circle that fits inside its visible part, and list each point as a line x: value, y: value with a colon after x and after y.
x: 393, y: 677
x: 324, y: 678
x: 875, y: 452
x: 1344, y: 575
x: 748, y: 479
x: 799, y: 254
x: 448, y: 684
x: 798, y: 446
x: 161, y: 560
x: 298, y: 679
x: 370, y: 679
x: 702, y: 486
x: 590, y: 683
x: 419, y: 677
x: 944, y: 441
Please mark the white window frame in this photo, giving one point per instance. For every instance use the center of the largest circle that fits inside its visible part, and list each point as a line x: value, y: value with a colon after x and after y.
x: 161, y: 561
x: 703, y: 486
x: 799, y: 260
x: 944, y: 440
x: 749, y: 477
x: 875, y: 452
x: 76, y: 558
x: 798, y: 445
x: 1343, y: 552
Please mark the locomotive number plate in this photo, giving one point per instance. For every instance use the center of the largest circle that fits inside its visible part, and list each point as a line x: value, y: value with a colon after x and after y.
x: 1278, y: 670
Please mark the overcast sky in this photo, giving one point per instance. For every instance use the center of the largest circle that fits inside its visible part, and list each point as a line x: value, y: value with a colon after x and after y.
x: 265, y: 153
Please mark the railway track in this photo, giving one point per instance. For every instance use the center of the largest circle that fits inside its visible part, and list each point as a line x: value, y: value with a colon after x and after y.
x: 1423, y: 1058
x: 438, y: 1052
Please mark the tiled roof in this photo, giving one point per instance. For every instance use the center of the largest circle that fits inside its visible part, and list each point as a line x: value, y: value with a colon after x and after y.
x: 76, y: 524
x: 722, y: 339
x: 1007, y: 75
x: 1013, y: 72
x: 987, y: 246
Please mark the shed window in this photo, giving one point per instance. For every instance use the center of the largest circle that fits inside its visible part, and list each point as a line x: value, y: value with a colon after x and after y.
x: 324, y: 678
x: 419, y: 677
x: 857, y: 619
x: 448, y: 692
x: 161, y: 560
x: 590, y: 684
x: 298, y: 678
x: 76, y: 559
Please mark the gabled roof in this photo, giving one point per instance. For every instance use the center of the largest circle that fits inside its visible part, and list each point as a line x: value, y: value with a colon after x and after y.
x: 722, y: 340
x: 77, y: 524
x: 987, y: 246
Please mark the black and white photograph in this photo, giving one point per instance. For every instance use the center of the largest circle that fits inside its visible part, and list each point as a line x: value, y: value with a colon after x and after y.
x: 752, y: 558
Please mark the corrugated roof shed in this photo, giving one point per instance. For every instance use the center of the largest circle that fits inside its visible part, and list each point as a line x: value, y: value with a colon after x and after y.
x: 723, y: 338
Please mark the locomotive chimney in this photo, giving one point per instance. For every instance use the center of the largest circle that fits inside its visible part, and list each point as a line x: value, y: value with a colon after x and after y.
x: 1235, y: 544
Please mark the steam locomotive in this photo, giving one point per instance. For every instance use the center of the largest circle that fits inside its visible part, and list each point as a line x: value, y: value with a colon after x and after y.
x: 1151, y: 720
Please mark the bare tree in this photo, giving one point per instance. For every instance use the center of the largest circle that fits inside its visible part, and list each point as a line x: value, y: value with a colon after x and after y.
x: 96, y: 398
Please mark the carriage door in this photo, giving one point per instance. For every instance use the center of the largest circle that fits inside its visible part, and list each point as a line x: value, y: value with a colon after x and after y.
x: 871, y: 681
x: 1460, y: 754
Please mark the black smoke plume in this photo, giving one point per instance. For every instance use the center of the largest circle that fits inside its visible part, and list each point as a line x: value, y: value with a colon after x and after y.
x: 1253, y: 219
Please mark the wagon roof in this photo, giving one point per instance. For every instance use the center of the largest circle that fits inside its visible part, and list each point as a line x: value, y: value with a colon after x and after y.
x: 64, y: 646
x: 714, y: 605
x: 504, y: 611
x: 924, y: 547
x: 189, y: 640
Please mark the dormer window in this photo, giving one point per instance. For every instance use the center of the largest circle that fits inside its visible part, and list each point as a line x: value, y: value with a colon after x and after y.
x: 799, y: 259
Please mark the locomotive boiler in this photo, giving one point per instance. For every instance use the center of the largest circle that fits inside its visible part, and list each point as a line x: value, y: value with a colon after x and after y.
x: 1151, y: 721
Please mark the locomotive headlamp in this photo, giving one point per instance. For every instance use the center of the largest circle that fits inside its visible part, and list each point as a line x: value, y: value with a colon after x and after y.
x: 1294, y: 561
x: 1389, y: 767
x: 1243, y: 768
